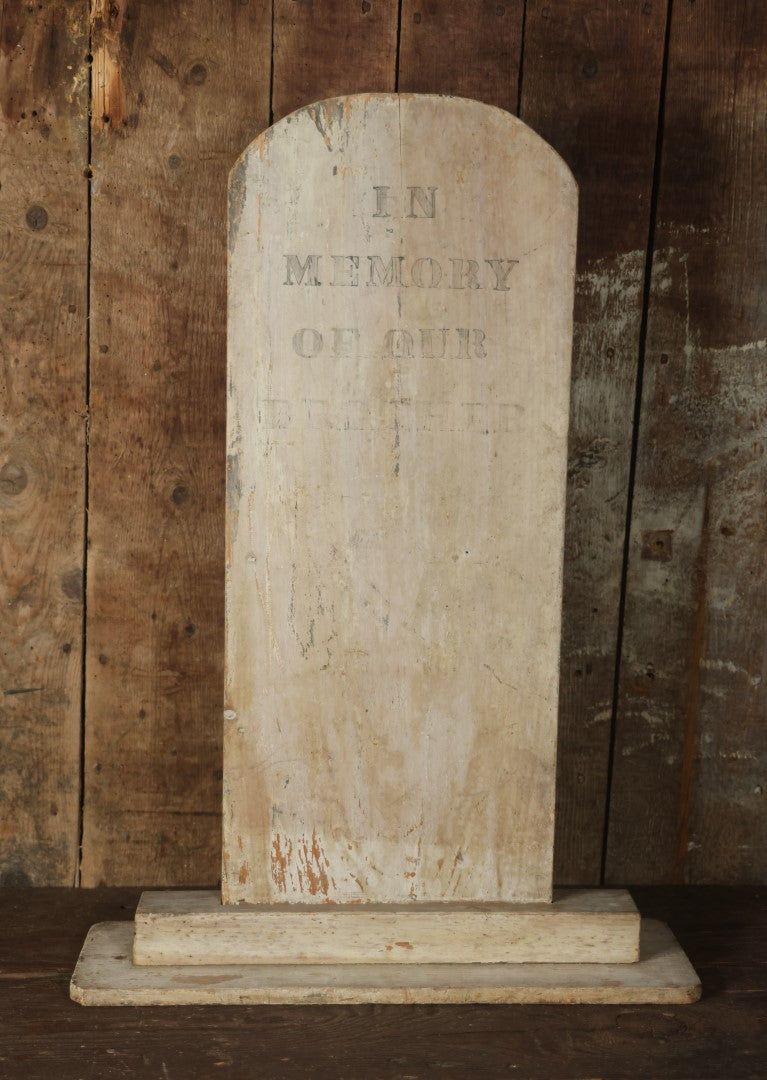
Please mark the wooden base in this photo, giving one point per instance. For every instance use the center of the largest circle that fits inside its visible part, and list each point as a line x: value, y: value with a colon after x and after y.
x: 580, y: 926
x: 105, y: 975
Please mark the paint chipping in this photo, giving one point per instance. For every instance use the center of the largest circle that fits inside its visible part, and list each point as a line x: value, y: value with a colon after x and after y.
x: 300, y: 865
x: 282, y: 851
x: 325, y: 113
x: 233, y: 493
x: 315, y: 864
x: 236, y: 198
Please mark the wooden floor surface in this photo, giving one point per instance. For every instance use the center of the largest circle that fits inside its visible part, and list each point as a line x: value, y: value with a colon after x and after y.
x: 44, y: 1034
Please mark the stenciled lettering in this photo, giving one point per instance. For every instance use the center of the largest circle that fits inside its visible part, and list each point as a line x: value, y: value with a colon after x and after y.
x: 426, y: 343
x: 471, y: 339
x: 345, y: 270
x: 309, y: 342
x: 463, y: 343
x: 398, y: 343
x: 396, y: 414
x: 399, y: 272
x: 428, y: 348
x: 464, y: 274
x: 383, y: 202
x: 385, y: 274
x: 421, y: 202
x: 426, y: 273
x: 296, y: 271
x: 501, y: 268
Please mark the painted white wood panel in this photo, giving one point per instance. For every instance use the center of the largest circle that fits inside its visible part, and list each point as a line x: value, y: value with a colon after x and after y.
x: 596, y: 926
x: 400, y: 308
x: 105, y: 976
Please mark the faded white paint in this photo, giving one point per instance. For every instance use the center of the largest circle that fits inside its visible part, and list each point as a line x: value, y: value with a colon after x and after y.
x: 395, y: 521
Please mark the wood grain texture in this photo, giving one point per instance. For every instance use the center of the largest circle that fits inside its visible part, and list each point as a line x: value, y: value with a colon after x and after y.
x: 591, y: 83
x: 688, y: 800
x: 43, y: 274
x: 465, y: 48
x: 590, y: 86
x: 395, y: 504
x: 597, y: 926
x: 181, y: 94
x: 327, y: 48
x: 724, y: 931
x: 104, y: 975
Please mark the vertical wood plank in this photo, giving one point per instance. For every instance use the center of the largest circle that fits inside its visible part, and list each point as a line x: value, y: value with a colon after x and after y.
x: 177, y: 94
x: 43, y: 275
x: 323, y: 48
x: 689, y: 790
x: 591, y: 86
x: 465, y: 48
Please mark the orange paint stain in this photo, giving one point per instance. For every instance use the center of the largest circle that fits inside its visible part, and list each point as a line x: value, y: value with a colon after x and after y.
x: 280, y: 861
x: 314, y: 865
x: 300, y: 862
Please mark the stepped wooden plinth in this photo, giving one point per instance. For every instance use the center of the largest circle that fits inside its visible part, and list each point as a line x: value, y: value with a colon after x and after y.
x: 105, y: 976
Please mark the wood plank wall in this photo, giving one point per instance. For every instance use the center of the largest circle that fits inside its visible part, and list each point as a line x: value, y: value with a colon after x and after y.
x: 43, y: 426
x: 118, y: 124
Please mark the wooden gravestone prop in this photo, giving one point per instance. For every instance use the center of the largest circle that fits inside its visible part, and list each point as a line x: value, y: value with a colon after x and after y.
x: 400, y: 320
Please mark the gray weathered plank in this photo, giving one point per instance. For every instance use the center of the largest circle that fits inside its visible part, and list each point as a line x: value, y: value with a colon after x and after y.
x: 590, y: 86
x: 689, y: 776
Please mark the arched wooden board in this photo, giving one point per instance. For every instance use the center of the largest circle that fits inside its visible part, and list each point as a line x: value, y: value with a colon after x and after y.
x: 400, y: 317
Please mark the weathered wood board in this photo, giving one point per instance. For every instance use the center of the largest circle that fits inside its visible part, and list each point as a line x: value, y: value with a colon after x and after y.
x: 688, y: 789
x: 105, y: 976
x: 182, y: 96
x: 593, y: 926
x: 327, y: 47
x: 400, y: 314
x: 591, y: 87
x: 468, y: 48
x: 174, y: 101
x: 43, y: 421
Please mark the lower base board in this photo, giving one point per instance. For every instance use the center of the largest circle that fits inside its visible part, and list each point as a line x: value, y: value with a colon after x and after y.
x: 106, y: 975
